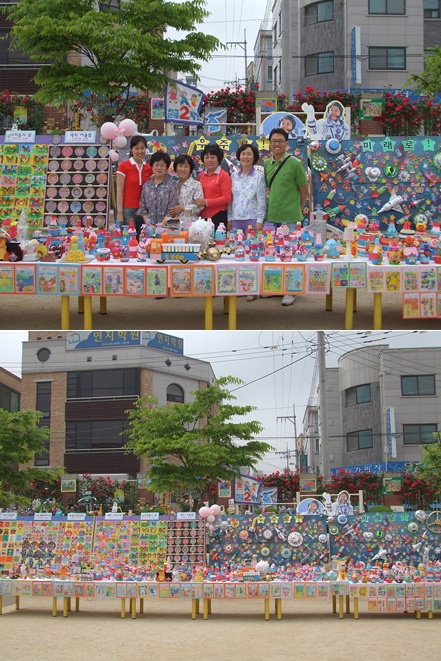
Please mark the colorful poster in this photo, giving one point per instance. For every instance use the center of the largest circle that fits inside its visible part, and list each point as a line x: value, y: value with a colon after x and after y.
x: 294, y: 279
x: 203, y: 280
x: 183, y: 103
x: 375, y: 279
x: 157, y: 281
x: 428, y: 305
x: 156, y: 108
x: 428, y: 278
x: 92, y: 280
x: 392, y: 279
x: 340, y: 275
x: 357, y: 275
x: 47, y: 279
x: 135, y: 281
x: 248, y: 279
x: 113, y: 280
x: 69, y: 280
x: 272, y: 279
x: 411, y: 279
x: 25, y: 278
x: 318, y: 279
x: 180, y: 281
x: 226, y: 280
x: 247, y: 490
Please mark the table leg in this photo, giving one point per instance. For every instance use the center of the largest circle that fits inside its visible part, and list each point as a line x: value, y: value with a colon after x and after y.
x: 65, y: 606
x: 334, y: 603
x: 418, y: 615
x: 279, y: 608
x: 209, y: 607
x: 1, y: 605
x: 87, y: 313
x: 206, y: 601
x: 133, y: 607
x: 80, y: 304
x: 377, y: 311
x: 69, y: 604
x: 197, y: 606
x: 267, y: 609
x: 349, y: 311
x: 208, y: 313
x: 194, y: 609
x: 123, y: 609
x: 355, y: 300
x: 65, y: 313
x: 17, y: 603
x: 355, y: 608
x: 54, y: 606
x: 348, y: 605
x: 430, y: 615
x: 226, y: 305
x: 77, y: 604
x: 141, y: 605
x: 232, y: 313
x: 340, y: 607
x: 103, y: 304
x: 328, y: 307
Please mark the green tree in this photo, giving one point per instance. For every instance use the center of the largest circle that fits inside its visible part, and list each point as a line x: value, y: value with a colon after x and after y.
x: 125, y: 48
x: 20, y: 439
x: 190, y: 443
x: 428, y: 80
x: 429, y: 467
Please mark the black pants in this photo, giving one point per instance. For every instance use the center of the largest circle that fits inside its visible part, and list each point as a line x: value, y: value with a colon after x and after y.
x: 218, y: 218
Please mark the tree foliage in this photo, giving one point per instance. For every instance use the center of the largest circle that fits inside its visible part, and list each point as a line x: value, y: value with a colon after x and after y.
x: 428, y: 80
x: 125, y: 47
x: 20, y: 439
x: 429, y: 468
x: 189, y: 443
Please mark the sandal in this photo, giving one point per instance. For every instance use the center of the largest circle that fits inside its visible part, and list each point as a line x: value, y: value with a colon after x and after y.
x: 251, y: 298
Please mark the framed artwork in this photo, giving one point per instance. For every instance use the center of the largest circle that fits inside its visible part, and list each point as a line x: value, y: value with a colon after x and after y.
x: 135, y: 281
x: 180, y: 281
x: 428, y: 305
x: 47, y: 279
x: 226, y: 280
x: 294, y: 279
x: 392, y: 279
x: 25, y: 279
x: 375, y: 279
x: 308, y: 484
x: 68, y: 485
x: 156, y: 108
x: 267, y: 105
x: 92, y: 280
x: 411, y: 279
x: 340, y: 276
x: 357, y: 275
x: 203, y: 280
x: 428, y: 278
x: 6, y: 279
x: 318, y: 279
x: 272, y: 279
x: 113, y: 277
x: 69, y: 280
x: 224, y: 490
x: 157, y: 283
x: 248, y: 279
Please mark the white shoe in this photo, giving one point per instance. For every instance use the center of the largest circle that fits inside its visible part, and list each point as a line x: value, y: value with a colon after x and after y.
x: 288, y: 300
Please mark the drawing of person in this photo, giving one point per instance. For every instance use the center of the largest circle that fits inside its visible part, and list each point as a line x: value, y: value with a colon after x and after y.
x: 343, y: 504
x: 331, y: 126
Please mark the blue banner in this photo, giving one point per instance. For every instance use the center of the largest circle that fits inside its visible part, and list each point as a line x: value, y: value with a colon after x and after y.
x: 163, y: 342
x: 102, y: 339
x: 381, y: 467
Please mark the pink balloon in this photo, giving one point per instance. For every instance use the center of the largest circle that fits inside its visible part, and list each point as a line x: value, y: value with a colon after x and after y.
x: 113, y: 155
x: 204, y: 512
x: 215, y: 509
x: 211, y: 528
x: 127, y: 127
x: 120, y: 141
x: 109, y: 130
x: 210, y: 518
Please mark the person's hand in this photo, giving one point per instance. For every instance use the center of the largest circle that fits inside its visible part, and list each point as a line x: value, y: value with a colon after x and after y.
x: 309, y: 111
x: 200, y: 202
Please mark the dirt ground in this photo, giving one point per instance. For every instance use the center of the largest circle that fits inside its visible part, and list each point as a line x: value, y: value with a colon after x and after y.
x: 37, y: 312
x: 235, y: 630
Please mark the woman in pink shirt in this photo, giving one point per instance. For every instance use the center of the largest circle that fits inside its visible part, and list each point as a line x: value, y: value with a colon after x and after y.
x: 216, y: 185
x: 131, y: 175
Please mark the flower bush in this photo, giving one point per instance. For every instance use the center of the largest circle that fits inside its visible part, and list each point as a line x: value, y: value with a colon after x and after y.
x: 418, y: 491
x: 35, y: 110
x: 401, y: 115
x: 103, y: 489
x: 102, y: 110
x: 287, y: 484
x: 370, y: 483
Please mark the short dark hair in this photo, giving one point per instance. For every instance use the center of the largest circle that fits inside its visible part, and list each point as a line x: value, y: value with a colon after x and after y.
x: 215, y: 150
x: 254, y: 149
x: 183, y: 158
x: 135, y: 140
x: 280, y: 131
x: 290, y: 118
x: 160, y: 156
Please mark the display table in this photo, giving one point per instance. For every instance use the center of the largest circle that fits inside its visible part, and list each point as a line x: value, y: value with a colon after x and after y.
x: 382, y: 597
x: 419, y: 285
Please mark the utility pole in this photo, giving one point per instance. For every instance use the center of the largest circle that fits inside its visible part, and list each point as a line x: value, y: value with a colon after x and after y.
x: 243, y: 45
x: 288, y: 453
x: 324, y: 445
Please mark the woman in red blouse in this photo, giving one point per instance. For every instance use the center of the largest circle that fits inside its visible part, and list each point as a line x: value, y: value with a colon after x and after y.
x: 216, y: 185
x: 131, y: 175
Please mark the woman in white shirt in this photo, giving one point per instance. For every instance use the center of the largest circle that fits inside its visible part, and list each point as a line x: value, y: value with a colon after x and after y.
x: 248, y: 205
x: 189, y: 190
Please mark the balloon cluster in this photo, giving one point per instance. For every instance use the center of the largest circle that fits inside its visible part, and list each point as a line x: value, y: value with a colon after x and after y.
x: 209, y: 513
x: 118, y: 135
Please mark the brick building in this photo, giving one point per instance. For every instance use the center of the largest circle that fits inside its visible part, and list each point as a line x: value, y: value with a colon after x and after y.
x: 84, y: 382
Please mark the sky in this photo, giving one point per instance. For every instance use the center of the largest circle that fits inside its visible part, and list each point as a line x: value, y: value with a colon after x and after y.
x: 277, y: 368
x: 227, y: 22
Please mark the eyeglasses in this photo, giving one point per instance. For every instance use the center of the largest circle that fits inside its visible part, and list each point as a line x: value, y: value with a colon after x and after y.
x: 277, y: 142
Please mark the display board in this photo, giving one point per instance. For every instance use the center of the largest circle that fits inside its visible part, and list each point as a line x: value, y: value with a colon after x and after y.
x: 130, y: 541
x: 186, y: 541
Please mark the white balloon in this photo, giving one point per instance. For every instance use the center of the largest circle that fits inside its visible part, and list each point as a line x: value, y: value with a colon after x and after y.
x: 120, y: 141
x: 211, y: 518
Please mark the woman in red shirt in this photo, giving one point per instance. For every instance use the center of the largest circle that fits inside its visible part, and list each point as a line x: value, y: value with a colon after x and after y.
x: 216, y: 185
x: 131, y: 175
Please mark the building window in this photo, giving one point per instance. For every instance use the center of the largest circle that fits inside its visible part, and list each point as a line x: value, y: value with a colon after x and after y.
x: 103, y: 383
x: 280, y: 23
x: 358, y: 394
x: 418, y: 386
x: 319, y: 12
x: 95, y: 434
x: 9, y: 399
x: 43, y: 404
x: 359, y: 440
x: 43, y: 354
x: 275, y: 34
x: 387, y: 58
x: 319, y: 63
x: 270, y: 74
x: 175, y: 393
x: 275, y: 78
x: 432, y: 8
x: 317, y: 446
x: 418, y: 434
x: 387, y: 6
x: 280, y: 72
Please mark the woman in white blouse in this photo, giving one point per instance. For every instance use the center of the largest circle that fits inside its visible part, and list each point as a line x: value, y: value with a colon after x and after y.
x: 189, y: 190
x: 248, y: 206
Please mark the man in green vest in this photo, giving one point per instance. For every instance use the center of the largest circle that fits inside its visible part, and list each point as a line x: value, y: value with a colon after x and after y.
x: 287, y: 183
